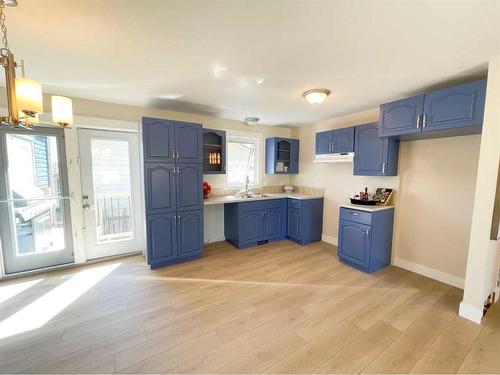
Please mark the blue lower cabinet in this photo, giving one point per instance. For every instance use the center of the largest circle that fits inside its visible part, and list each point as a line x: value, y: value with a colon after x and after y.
x: 251, y: 223
x: 305, y: 220
x: 365, y: 238
x: 190, y: 233
x: 162, y: 238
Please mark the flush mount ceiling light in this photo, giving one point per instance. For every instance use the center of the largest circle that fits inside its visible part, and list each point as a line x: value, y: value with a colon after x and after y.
x: 24, y: 96
x: 250, y: 121
x: 316, y: 96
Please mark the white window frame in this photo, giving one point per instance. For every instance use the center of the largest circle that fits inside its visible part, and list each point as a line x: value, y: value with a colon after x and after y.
x: 244, y: 137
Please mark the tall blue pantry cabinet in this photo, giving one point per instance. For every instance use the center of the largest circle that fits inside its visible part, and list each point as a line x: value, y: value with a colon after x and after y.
x: 173, y: 180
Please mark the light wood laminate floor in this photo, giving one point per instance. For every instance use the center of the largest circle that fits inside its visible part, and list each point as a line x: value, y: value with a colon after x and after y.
x: 276, y: 308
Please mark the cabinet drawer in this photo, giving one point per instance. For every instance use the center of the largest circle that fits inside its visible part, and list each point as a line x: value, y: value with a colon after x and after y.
x: 294, y: 203
x: 357, y: 216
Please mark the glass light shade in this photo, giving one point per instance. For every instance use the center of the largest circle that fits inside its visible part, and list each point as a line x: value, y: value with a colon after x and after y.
x: 316, y: 96
x: 29, y: 95
x: 62, y: 110
x: 29, y: 120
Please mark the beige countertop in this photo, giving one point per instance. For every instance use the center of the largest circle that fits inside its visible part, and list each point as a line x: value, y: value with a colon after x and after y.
x: 222, y: 199
x: 365, y: 208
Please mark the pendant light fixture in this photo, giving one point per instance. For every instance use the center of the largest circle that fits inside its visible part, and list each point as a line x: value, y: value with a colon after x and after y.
x: 316, y: 96
x: 24, y: 96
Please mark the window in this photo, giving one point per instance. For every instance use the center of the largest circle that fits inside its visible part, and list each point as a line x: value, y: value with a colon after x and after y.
x: 242, y: 161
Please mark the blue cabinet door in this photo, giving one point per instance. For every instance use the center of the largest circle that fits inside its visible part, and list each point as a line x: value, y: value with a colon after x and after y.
x: 294, y: 223
x: 160, y: 187
x: 189, y: 189
x: 162, y: 238
x: 355, y: 242
x: 294, y: 156
x: 190, y: 233
x: 251, y: 226
x: 343, y: 140
x: 374, y: 155
x: 455, y: 107
x: 273, y: 223
x: 324, y: 142
x: 188, y: 142
x: 401, y: 117
x: 158, y: 140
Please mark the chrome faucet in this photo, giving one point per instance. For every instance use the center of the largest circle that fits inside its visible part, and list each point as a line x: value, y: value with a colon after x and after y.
x: 247, y: 181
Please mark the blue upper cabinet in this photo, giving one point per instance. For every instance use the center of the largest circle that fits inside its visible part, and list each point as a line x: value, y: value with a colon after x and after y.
x: 457, y: 110
x: 188, y: 142
x: 158, y: 140
x: 401, y: 117
x: 324, y: 142
x: 189, y: 187
x: 335, y: 141
x: 459, y: 106
x: 374, y: 155
x: 282, y: 156
x: 343, y: 140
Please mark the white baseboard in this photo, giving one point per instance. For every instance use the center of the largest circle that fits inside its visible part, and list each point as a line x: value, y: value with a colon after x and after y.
x: 470, y: 312
x: 329, y: 239
x: 430, y: 272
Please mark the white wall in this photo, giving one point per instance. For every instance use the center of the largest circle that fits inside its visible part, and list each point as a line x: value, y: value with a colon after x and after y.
x: 482, y: 262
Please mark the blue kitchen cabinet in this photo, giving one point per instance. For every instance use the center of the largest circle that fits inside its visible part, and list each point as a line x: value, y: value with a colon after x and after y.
x: 343, y: 140
x: 305, y: 220
x: 160, y: 187
x: 459, y: 106
x: 188, y: 142
x: 214, y: 151
x: 335, y: 141
x: 374, y: 155
x: 162, y: 237
x: 190, y: 233
x: 282, y: 156
x: 158, y: 140
x: 401, y: 116
x: 365, y: 238
x: 173, y: 179
x: 324, y: 142
x: 189, y: 191
x: 251, y: 223
x: 457, y: 110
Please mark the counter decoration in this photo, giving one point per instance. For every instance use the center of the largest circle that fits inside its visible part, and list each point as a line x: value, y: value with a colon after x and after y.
x: 288, y: 188
x: 206, y: 189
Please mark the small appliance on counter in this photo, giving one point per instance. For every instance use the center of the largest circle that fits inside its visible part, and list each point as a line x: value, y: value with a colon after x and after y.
x: 380, y: 197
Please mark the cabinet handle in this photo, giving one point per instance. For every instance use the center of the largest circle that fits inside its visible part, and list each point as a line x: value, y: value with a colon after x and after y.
x: 354, y: 213
x: 175, y: 219
x: 424, y: 121
x: 178, y: 153
x: 173, y: 153
x: 367, y: 232
x: 178, y: 220
x: 418, y: 121
x: 383, y: 167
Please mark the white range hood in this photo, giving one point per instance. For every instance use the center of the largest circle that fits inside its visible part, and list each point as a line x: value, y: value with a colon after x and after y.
x: 345, y: 157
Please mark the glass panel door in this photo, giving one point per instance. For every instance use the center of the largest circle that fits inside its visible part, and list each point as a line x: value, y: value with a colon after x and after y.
x: 34, y: 204
x: 111, y: 192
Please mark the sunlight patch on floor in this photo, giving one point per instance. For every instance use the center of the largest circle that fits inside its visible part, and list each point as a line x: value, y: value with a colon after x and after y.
x: 40, y: 311
x: 9, y: 291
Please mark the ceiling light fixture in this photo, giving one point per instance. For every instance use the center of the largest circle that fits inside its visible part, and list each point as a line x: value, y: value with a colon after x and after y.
x: 24, y: 96
x: 316, y: 96
x: 251, y: 121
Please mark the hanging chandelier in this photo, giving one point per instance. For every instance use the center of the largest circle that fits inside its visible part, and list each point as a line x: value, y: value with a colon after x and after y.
x: 24, y: 96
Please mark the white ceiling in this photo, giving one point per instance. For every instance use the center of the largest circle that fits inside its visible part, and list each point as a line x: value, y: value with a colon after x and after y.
x: 238, y: 58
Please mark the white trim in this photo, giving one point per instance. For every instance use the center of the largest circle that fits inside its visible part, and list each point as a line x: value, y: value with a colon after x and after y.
x: 444, y: 277
x: 329, y: 239
x: 470, y: 312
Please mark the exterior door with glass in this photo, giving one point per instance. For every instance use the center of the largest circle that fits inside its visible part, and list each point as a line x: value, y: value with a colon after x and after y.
x: 35, y: 229
x: 109, y: 164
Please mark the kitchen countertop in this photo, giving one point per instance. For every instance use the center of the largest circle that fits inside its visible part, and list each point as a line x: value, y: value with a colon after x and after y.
x: 234, y: 199
x: 365, y: 208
